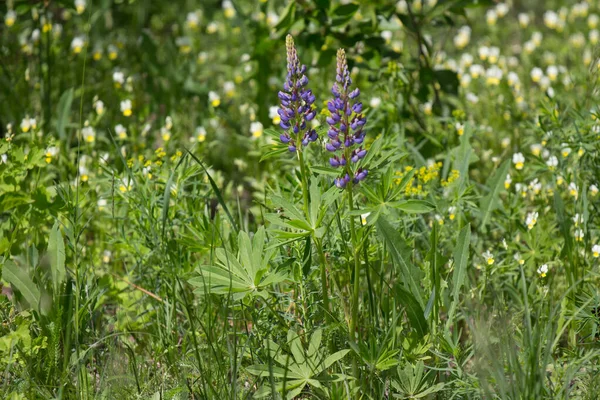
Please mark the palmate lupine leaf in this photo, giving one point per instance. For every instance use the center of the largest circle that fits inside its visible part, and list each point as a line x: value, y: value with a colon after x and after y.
x: 293, y: 220
x: 384, y: 199
x: 300, y: 367
x: 241, y: 275
x: 413, y: 383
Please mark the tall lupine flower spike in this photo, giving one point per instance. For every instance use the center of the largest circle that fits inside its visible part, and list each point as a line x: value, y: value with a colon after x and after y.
x: 296, y: 109
x: 346, y: 123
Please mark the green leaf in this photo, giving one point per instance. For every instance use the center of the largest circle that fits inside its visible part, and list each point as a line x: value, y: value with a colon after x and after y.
x: 414, y: 206
x: 315, y: 343
x: 326, y: 171
x: 323, y: 4
x: 335, y: 357
x: 11, y: 200
x: 495, y: 183
x: 461, y: 256
x: 270, y: 151
x: 63, y: 112
x: 403, y: 183
x: 56, y: 249
x: 306, y: 256
x: 20, y: 280
x: 272, y: 132
x: 288, y: 207
x: 409, y: 273
x: 288, y: 18
x: 343, y: 14
x: 346, y: 10
x: 463, y: 157
x: 435, y: 264
x: 315, y: 203
x: 300, y: 224
x: 245, y: 256
x: 414, y: 311
x: 246, y: 273
x: 296, y: 347
x: 265, y: 370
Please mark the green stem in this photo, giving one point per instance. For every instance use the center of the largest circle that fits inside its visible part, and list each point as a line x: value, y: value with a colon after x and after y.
x: 323, y: 261
x: 304, y: 180
x: 355, y: 255
x: 305, y: 207
x: 318, y: 243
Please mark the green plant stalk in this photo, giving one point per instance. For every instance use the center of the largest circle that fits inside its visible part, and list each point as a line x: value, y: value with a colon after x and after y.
x: 306, y: 200
x: 323, y: 262
x: 355, y: 244
x: 82, y: 378
x: 355, y: 255
x: 305, y: 206
x: 303, y: 174
x: 356, y: 283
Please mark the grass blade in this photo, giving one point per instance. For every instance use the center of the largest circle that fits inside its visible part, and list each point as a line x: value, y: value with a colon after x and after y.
x: 461, y: 256
x: 495, y: 183
x: 216, y: 191
x: 400, y: 252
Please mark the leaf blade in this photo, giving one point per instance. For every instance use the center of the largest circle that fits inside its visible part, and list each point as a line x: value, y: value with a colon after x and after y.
x: 400, y: 253
x: 461, y: 256
x: 496, y: 182
x: 20, y: 279
x: 56, y: 250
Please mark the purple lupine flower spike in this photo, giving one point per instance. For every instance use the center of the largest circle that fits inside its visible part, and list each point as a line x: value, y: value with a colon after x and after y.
x: 346, y: 122
x: 296, y: 110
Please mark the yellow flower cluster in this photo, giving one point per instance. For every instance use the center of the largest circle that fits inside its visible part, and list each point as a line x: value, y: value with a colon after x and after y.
x: 424, y: 176
x: 177, y: 154
x: 414, y: 187
x: 452, y: 177
x: 160, y: 153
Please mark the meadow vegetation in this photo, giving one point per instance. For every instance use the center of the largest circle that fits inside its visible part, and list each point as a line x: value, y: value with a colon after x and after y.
x: 299, y: 199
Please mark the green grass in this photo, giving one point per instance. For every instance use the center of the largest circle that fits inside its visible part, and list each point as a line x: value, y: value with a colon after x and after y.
x: 159, y: 241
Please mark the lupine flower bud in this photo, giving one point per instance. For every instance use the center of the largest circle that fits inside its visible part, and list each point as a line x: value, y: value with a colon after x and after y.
x: 346, y: 122
x: 296, y: 102
x: 342, y: 181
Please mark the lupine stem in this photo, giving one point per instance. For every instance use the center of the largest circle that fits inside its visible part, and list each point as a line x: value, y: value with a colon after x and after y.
x: 296, y: 113
x: 323, y: 262
x: 305, y: 196
x: 356, y: 283
x: 347, y: 133
x: 356, y: 256
x: 355, y: 248
x: 303, y: 179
